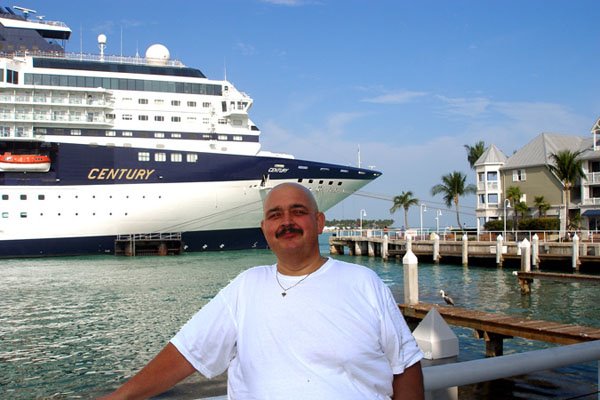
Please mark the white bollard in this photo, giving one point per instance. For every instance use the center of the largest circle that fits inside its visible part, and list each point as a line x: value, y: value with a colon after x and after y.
x: 408, y: 242
x: 411, y: 278
x: 525, y: 255
x: 535, y: 251
x: 575, y: 259
x: 436, y: 248
x: 499, y: 247
x: 384, y: 247
x: 465, y: 250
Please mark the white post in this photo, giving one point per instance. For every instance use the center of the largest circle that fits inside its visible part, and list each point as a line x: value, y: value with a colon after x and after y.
x: 411, y: 278
x: 384, y: 247
x: 465, y: 250
x: 535, y: 251
x: 575, y: 259
x: 525, y: 255
x: 408, y: 243
x: 499, y: 247
x: 371, y: 248
x: 436, y: 248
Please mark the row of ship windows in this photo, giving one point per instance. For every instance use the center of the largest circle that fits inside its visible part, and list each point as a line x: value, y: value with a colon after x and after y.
x: 43, y: 197
x: 5, y: 131
x: 321, y: 182
x: 119, y: 84
x: 23, y: 214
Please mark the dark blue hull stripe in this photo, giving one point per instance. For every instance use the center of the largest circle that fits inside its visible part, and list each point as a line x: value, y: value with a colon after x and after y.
x: 234, y: 239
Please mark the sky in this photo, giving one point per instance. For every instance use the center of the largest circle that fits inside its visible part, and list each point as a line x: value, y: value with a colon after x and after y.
x: 409, y: 83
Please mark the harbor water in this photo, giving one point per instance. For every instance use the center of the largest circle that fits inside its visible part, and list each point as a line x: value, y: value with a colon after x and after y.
x: 77, y: 327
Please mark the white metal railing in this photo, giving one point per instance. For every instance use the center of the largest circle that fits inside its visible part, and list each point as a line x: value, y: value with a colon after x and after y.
x: 448, y: 234
x: 470, y: 372
x: 487, y: 369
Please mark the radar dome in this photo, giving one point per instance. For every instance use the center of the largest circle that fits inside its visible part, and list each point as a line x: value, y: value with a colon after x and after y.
x: 158, y: 54
x: 102, y: 38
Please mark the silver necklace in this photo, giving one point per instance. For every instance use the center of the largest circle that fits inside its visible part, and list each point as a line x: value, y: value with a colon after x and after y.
x: 284, y: 293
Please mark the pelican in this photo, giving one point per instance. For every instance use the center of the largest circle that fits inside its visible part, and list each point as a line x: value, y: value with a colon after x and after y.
x: 447, y: 298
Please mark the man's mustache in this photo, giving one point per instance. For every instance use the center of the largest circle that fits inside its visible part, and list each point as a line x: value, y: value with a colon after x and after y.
x: 285, y: 229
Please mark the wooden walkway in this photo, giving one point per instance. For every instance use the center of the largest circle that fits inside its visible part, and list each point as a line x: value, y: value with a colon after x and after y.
x: 494, y: 327
x: 558, y: 276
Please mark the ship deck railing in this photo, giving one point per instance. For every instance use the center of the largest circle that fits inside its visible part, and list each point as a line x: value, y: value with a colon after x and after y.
x: 136, y: 60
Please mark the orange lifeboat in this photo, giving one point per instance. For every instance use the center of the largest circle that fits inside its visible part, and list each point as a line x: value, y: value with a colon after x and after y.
x: 24, y: 162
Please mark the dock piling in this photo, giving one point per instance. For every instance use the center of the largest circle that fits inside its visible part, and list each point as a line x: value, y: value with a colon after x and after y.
x: 411, y: 278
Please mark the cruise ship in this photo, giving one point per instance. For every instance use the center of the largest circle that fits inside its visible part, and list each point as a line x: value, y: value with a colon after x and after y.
x: 97, y: 149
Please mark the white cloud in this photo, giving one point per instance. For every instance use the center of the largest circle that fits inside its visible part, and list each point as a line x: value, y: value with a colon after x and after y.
x: 463, y: 106
x: 245, y: 48
x: 399, y: 97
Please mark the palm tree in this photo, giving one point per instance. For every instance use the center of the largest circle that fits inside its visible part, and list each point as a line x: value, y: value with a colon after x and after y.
x: 568, y: 169
x: 521, y: 207
x: 514, y: 194
x: 452, y: 187
x: 404, y: 200
x: 541, y: 204
x: 474, y: 152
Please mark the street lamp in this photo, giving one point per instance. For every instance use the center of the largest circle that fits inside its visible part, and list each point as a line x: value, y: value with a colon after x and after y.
x: 363, y: 213
x: 422, y: 207
x: 506, y: 205
x: 438, y: 213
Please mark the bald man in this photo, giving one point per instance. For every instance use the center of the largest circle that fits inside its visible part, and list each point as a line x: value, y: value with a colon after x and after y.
x: 307, y: 327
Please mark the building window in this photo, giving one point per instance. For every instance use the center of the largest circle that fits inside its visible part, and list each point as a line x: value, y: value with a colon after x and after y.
x: 191, y: 158
x: 175, y: 119
x: 159, y: 135
x: 493, y: 198
x: 142, y: 101
x: 127, y: 133
x: 519, y: 175
x: 75, y: 132
x: 142, y: 117
x: 482, y: 199
x: 206, y: 104
x: 191, y: 104
x: 111, y: 133
x: 143, y: 156
x: 159, y: 118
x: 176, y: 135
x: 160, y: 157
x: 492, y: 176
x: 175, y: 103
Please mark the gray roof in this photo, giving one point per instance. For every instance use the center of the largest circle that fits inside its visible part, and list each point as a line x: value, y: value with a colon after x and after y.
x: 491, y: 155
x: 538, y: 151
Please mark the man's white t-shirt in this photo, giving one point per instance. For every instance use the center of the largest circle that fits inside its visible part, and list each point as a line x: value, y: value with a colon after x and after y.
x: 338, y: 334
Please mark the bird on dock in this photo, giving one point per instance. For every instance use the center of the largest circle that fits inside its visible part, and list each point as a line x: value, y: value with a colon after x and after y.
x: 447, y: 298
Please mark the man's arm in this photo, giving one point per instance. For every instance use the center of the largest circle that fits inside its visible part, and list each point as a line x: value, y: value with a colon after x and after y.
x: 164, y: 371
x: 409, y: 384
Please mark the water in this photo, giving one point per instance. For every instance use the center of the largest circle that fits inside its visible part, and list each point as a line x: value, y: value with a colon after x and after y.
x: 75, y: 327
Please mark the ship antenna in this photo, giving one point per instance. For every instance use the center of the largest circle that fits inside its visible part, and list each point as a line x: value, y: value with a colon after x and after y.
x: 121, y: 40
x: 225, y: 67
x: 359, y: 156
x: 102, y: 45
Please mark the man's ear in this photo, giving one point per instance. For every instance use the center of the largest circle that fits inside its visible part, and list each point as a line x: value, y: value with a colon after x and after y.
x: 320, y: 222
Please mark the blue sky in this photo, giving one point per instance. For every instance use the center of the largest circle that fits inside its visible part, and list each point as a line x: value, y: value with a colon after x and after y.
x: 410, y: 82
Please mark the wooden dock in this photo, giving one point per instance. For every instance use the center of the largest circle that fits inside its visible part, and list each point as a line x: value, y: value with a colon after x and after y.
x: 494, y: 327
x: 561, y: 254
